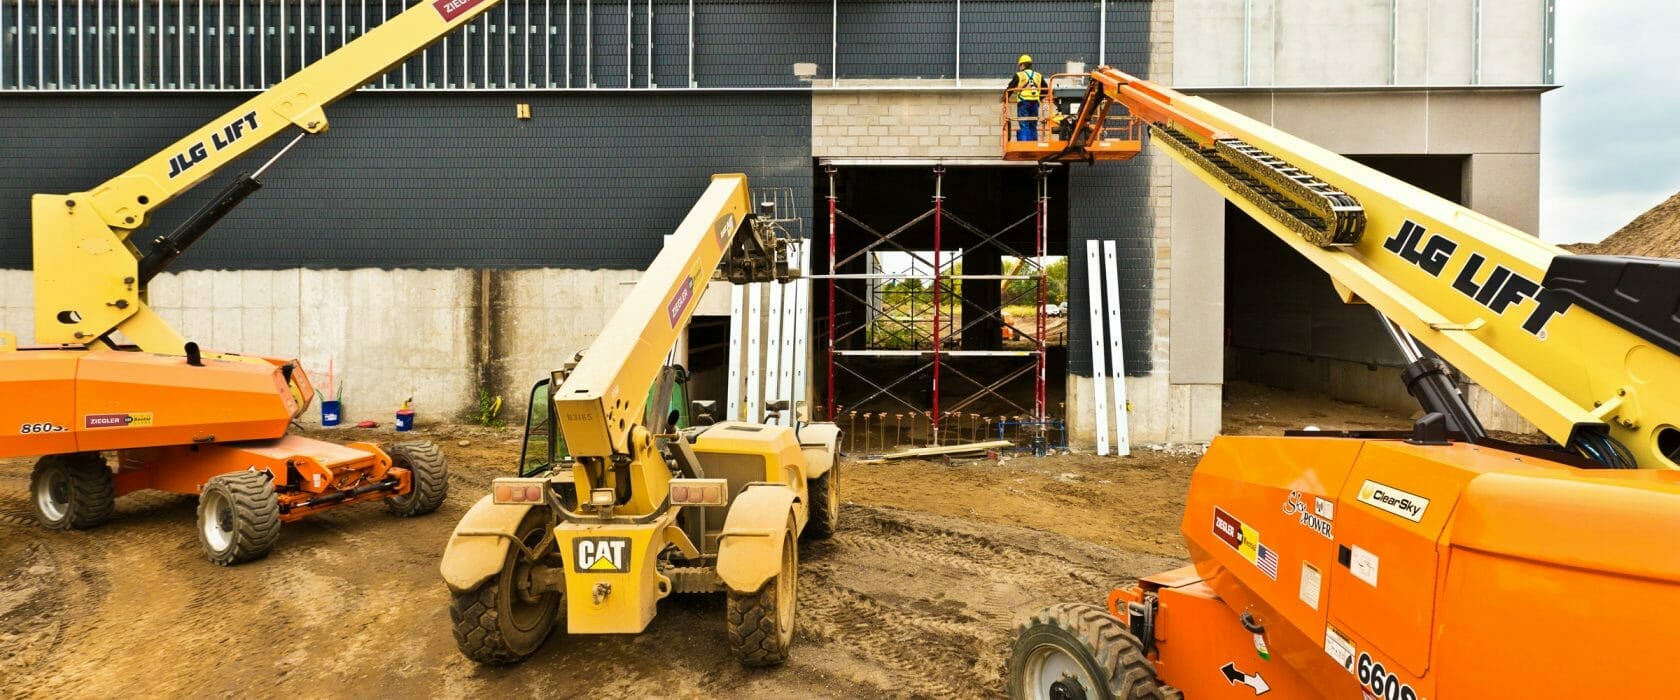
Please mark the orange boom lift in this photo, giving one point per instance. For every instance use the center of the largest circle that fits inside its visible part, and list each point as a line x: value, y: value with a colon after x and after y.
x: 111, y: 375
x: 1431, y: 563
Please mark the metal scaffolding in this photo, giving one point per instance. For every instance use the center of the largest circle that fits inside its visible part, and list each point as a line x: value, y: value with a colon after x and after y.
x: 857, y: 344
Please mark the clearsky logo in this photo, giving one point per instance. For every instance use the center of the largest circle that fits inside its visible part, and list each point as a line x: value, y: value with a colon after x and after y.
x: 1387, y: 498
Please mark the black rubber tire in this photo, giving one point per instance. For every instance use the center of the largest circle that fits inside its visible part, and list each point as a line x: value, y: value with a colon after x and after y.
x: 250, y: 519
x: 87, y: 490
x: 1101, y: 645
x: 824, y: 492
x: 485, y: 628
x: 428, y: 475
x: 761, y: 623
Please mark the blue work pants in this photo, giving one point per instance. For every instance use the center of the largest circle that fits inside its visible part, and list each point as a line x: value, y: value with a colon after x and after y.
x: 1029, y: 122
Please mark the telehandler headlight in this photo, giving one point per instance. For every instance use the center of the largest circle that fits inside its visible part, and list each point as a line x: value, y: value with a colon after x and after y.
x: 518, y: 491
x: 602, y: 498
x: 699, y: 492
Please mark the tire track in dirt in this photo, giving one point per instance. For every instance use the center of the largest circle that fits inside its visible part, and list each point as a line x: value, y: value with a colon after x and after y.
x: 900, y: 603
x: 931, y: 601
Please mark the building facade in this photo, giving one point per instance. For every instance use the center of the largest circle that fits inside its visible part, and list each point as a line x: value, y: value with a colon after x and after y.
x: 434, y: 245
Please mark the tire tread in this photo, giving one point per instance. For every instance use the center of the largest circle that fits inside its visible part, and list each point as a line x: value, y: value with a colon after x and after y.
x: 93, y: 489
x: 256, y: 517
x: 428, y: 479
x: 1128, y: 672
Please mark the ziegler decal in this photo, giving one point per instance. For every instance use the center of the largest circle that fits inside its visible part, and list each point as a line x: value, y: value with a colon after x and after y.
x: 450, y: 9
x: 1311, y: 520
x: 681, y: 298
x: 602, y: 555
x: 1387, y: 498
x: 33, y: 428
x: 118, y: 420
x: 220, y: 140
x: 1501, y: 289
x: 1246, y: 540
x: 1380, y: 683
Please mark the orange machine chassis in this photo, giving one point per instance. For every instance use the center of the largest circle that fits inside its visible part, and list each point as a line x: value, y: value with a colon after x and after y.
x: 176, y: 423
x: 309, y: 475
x: 1402, y: 569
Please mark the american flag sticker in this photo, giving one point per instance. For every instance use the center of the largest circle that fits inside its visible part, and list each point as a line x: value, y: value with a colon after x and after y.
x: 1267, y: 562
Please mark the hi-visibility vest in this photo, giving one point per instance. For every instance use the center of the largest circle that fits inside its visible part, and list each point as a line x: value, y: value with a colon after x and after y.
x: 1030, y: 82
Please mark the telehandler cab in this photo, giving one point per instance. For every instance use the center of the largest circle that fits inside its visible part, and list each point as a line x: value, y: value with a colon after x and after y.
x: 644, y: 509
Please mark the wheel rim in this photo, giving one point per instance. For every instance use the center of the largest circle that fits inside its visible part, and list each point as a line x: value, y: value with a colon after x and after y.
x: 787, y: 588
x: 524, y: 611
x: 216, y: 520
x: 1053, y: 674
x: 52, y: 495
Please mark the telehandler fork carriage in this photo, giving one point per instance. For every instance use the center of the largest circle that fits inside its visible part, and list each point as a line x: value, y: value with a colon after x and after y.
x: 110, y: 375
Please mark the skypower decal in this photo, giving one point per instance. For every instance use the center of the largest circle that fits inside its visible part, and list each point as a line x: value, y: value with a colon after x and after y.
x: 1311, y: 519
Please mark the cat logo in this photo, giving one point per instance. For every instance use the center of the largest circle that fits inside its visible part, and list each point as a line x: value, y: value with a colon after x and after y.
x: 602, y: 555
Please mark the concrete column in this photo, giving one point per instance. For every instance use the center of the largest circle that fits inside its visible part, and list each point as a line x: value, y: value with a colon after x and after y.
x: 1197, y: 324
x: 1506, y: 187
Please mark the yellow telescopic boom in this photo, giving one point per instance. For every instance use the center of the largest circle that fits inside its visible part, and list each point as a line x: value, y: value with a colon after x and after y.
x: 88, y: 279
x: 601, y: 401
x: 1561, y: 349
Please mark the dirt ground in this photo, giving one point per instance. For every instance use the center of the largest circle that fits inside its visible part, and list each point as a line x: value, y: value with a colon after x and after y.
x: 915, y: 596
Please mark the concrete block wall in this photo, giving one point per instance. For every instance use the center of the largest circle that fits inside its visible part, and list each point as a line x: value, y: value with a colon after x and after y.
x: 947, y: 124
x: 540, y: 319
x: 391, y: 334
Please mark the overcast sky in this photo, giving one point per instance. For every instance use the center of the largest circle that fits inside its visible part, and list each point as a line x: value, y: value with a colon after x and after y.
x: 1611, y: 135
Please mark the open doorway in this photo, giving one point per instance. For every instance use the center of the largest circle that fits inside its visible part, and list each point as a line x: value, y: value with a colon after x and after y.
x: 1285, y: 326
x: 935, y: 307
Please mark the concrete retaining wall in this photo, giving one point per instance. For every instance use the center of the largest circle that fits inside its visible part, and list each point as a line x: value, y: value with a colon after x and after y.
x: 391, y: 334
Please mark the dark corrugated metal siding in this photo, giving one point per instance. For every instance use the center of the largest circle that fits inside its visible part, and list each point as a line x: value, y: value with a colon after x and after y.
x: 426, y: 180
x: 1112, y: 202
x: 755, y: 44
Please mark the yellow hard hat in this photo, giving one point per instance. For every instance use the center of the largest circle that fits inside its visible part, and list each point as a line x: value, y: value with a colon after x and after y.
x: 1024, y: 59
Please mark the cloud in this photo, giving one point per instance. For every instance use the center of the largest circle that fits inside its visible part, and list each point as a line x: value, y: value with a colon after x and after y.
x: 1609, y: 147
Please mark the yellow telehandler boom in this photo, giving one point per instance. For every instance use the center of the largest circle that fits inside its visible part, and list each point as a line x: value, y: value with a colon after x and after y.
x: 642, y: 509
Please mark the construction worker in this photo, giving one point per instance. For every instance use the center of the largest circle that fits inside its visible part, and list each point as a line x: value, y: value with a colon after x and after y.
x: 1030, y: 85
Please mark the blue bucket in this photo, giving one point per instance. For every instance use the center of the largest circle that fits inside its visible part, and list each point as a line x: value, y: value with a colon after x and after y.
x: 330, y: 413
x: 405, y: 420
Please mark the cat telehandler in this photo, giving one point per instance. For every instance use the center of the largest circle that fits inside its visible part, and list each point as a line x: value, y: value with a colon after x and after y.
x: 643, y: 509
